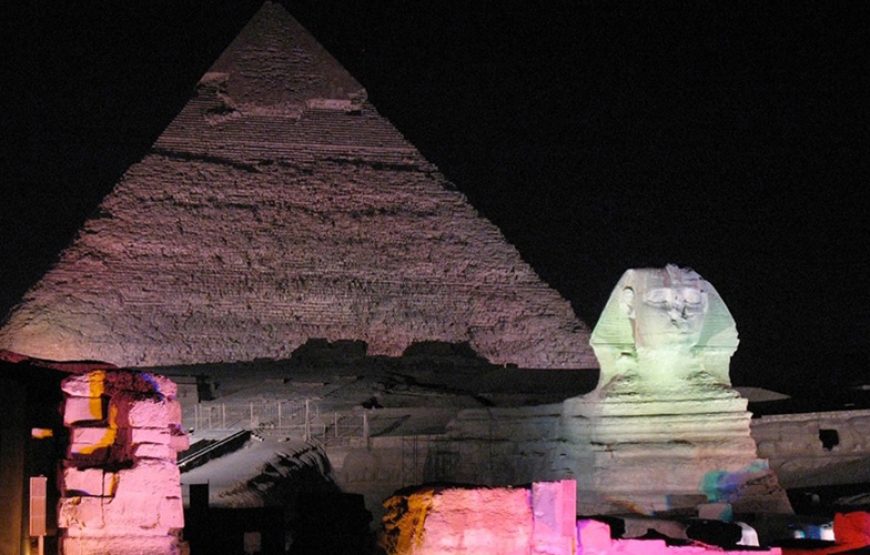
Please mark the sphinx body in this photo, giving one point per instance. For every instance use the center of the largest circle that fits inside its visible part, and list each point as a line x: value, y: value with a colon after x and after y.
x: 663, y: 430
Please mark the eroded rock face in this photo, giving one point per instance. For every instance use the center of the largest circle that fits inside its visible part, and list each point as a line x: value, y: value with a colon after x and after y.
x: 121, y: 488
x: 538, y: 520
x: 277, y: 207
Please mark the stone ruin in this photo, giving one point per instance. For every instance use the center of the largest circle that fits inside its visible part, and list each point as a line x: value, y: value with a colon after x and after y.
x: 663, y: 431
x: 120, y: 486
x: 535, y: 520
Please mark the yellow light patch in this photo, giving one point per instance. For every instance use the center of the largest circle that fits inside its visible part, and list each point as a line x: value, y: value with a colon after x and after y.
x: 41, y: 433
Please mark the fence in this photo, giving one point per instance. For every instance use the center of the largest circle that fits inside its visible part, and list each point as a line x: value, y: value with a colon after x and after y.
x: 303, y: 419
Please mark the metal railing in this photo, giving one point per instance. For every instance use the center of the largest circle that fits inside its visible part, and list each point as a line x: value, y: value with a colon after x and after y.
x: 301, y: 419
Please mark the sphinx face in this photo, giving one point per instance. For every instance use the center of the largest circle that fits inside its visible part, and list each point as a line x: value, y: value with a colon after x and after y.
x: 668, y: 309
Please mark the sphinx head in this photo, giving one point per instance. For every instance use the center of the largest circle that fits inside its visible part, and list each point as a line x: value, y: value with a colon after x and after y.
x: 668, y: 316
x: 666, y: 307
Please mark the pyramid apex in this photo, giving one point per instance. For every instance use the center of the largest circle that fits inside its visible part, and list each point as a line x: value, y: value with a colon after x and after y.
x: 275, y: 62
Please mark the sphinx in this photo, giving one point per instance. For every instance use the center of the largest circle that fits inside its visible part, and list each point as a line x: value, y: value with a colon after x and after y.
x: 664, y: 332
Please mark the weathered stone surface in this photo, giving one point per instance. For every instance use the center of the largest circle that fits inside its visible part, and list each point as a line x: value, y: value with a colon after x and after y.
x: 88, y: 482
x: 279, y: 206
x: 793, y: 444
x: 150, y: 435
x: 78, y: 513
x: 128, y: 545
x: 154, y: 413
x: 152, y: 451
x: 88, y: 385
x: 554, y: 510
x: 457, y: 521
x: 89, y: 440
x: 664, y: 331
x: 138, y: 508
x: 82, y: 409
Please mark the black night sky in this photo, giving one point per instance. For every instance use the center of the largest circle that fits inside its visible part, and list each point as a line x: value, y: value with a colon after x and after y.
x: 598, y: 136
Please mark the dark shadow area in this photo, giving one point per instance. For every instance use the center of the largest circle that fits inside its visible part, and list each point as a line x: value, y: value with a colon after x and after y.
x: 829, y: 439
x: 304, y: 514
x: 430, y: 366
x: 32, y: 441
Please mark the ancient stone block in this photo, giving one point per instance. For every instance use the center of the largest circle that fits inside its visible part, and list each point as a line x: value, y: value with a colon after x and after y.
x: 131, y: 545
x: 150, y: 435
x: 88, y: 482
x: 593, y: 536
x: 82, y: 409
x: 179, y: 441
x: 554, y: 510
x: 154, y: 451
x: 77, y: 514
x: 149, y: 478
x: 91, y: 384
x: 133, y: 510
x: 152, y: 413
x: 90, y: 440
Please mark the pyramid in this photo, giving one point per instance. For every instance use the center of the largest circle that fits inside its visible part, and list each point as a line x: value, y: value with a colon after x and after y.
x: 279, y: 207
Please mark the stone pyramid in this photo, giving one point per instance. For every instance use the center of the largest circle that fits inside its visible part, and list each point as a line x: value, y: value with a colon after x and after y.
x: 278, y: 207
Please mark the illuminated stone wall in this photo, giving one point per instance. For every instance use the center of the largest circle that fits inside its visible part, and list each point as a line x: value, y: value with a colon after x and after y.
x: 497, y: 521
x: 539, y: 520
x: 818, y: 448
x: 121, y: 489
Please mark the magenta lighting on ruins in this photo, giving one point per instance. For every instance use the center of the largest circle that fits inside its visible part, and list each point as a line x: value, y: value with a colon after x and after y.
x: 283, y: 315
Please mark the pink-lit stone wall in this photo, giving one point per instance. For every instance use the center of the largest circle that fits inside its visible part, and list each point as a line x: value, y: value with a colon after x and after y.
x: 495, y: 521
x: 513, y: 521
x: 120, y: 486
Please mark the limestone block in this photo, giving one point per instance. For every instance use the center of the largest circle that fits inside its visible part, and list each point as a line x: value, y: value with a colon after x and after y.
x: 91, y: 384
x: 592, y: 536
x: 155, y: 451
x: 89, y: 440
x: 153, y: 413
x: 171, y: 513
x: 554, y: 513
x: 164, y: 545
x: 149, y: 478
x: 134, y: 514
x: 88, y: 482
x: 77, y: 513
x: 179, y: 441
x: 496, y: 520
x: 82, y: 409
x: 150, y: 435
x: 162, y: 385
